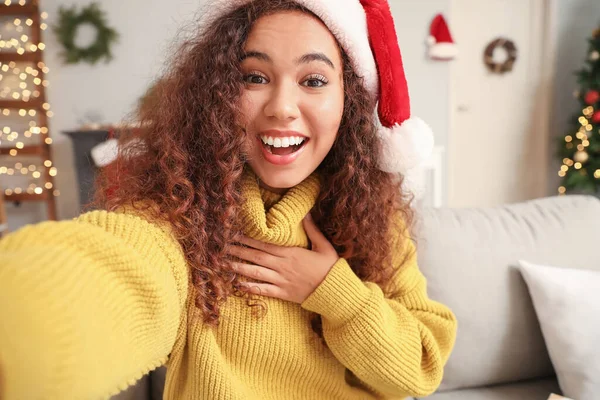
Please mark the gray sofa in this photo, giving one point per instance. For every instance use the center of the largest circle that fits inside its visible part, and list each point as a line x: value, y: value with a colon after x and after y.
x: 469, y: 258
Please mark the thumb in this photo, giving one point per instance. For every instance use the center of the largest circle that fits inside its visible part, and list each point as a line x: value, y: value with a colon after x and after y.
x: 316, y: 237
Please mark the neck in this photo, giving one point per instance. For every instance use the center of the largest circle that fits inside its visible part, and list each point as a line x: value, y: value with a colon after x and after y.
x: 277, y: 218
x: 263, y: 185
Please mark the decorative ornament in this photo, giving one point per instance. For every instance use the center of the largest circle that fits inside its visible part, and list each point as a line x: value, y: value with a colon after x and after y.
x: 441, y: 44
x: 592, y: 97
x: 596, y: 117
x: 90, y: 120
x: 581, y: 156
x: 594, y: 55
x: 511, y: 51
x: 66, y: 30
x: 105, y: 153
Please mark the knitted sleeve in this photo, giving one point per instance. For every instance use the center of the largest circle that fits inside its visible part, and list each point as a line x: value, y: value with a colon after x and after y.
x: 395, y: 346
x: 87, y: 306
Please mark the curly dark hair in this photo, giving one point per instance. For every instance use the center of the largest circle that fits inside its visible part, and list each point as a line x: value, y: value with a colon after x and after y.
x: 187, y: 159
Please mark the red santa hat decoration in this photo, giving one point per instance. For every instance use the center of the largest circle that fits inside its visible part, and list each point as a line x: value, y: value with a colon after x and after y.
x: 441, y: 45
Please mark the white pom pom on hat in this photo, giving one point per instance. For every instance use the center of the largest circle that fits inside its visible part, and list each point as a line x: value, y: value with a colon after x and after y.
x: 365, y: 29
x: 405, y: 146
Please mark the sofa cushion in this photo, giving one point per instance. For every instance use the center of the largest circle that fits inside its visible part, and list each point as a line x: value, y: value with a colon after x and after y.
x: 529, y: 390
x: 470, y: 258
x: 567, y: 303
x: 138, y: 391
x: 157, y: 383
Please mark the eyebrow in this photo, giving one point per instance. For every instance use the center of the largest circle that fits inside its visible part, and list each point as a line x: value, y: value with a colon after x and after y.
x: 305, y: 59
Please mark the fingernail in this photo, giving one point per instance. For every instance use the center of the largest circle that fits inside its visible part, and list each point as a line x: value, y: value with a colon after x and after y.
x: 308, y: 217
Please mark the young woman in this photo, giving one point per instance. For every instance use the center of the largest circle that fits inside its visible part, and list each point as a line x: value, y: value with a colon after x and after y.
x: 254, y: 238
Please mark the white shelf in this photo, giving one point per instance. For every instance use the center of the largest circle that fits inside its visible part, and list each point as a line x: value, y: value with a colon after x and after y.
x: 427, y: 181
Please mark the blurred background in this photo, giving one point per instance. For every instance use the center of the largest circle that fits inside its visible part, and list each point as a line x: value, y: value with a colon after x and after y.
x: 495, y: 79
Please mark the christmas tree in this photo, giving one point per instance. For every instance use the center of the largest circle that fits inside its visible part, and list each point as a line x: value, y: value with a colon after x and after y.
x: 579, y: 150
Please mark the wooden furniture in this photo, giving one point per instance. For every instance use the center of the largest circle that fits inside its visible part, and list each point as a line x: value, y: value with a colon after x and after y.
x: 29, y: 56
x: 83, y: 143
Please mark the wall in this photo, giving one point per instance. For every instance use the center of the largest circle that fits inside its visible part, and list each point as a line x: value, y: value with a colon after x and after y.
x: 575, y: 20
x: 147, y: 35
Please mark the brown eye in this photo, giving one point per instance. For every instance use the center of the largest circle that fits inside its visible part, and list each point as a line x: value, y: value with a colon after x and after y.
x: 255, y: 79
x: 316, y: 81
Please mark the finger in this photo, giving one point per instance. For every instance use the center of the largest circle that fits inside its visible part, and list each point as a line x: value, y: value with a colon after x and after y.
x: 316, y: 237
x: 257, y: 272
x: 265, y: 289
x: 254, y: 256
x: 266, y: 247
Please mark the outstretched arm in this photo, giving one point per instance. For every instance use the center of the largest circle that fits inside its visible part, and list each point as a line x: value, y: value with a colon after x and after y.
x: 87, y: 306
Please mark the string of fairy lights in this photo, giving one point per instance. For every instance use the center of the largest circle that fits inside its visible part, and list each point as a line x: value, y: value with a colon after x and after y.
x: 580, y: 140
x: 10, y: 2
x: 25, y: 93
x: 22, y: 44
x: 22, y: 84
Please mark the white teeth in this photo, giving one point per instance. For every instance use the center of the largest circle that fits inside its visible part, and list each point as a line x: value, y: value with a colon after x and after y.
x: 282, y: 142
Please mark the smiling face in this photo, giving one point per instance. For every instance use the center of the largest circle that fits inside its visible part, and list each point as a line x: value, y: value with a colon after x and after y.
x: 293, y: 98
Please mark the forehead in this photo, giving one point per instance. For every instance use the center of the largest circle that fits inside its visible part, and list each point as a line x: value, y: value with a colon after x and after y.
x: 292, y: 32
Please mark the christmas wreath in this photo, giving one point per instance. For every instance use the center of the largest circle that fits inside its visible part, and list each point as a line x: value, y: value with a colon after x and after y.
x: 507, y: 65
x: 66, y: 28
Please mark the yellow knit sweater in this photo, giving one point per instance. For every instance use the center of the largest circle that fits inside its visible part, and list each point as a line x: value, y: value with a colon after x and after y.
x: 89, y: 306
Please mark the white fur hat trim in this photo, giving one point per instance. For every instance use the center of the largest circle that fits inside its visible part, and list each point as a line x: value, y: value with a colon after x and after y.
x: 405, y: 146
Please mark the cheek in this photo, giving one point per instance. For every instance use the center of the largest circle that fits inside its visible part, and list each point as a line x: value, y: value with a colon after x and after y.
x: 247, y: 107
x: 326, y: 116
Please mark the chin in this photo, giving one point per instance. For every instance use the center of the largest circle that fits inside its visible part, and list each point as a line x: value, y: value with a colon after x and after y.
x: 280, y: 178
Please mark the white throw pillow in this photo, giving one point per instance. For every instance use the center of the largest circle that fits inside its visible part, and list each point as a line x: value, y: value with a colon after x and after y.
x: 567, y: 304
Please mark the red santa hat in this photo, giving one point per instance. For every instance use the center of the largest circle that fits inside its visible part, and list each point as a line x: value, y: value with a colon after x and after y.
x: 441, y: 45
x: 365, y: 29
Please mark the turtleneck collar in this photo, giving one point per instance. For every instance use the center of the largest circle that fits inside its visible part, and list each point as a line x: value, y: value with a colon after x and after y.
x: 277, y: 218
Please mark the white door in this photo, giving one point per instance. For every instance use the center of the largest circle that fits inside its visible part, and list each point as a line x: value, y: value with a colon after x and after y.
x: 498, y: 139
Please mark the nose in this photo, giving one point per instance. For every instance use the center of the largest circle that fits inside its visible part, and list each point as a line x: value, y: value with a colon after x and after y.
x: 283, y: 102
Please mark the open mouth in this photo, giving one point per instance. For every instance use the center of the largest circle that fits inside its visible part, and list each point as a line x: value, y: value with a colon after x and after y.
x: 283, y: 147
